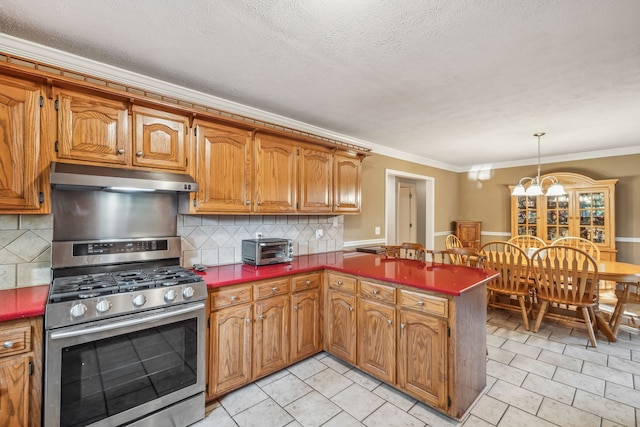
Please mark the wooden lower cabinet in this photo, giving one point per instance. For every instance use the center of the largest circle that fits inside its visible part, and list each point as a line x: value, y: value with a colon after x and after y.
x: 270, y: 335
x: 21, y: 372
x: 422, y: 357
x: 258, y: 328
x: 377, y: 339
x: 340, y: 329
x: 230, y: 338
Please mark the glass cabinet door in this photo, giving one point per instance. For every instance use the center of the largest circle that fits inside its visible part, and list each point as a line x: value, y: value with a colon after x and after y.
x: 527, y: 215
x: 592, y: 212
x: 557, y: 220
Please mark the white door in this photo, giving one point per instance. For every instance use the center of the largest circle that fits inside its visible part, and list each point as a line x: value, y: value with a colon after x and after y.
x: 407, y: 230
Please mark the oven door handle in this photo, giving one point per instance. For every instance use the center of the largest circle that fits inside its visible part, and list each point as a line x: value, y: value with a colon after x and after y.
x: 124, y: 323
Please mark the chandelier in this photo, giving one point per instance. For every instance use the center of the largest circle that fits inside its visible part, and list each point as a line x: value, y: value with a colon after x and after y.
x: 535, y: 184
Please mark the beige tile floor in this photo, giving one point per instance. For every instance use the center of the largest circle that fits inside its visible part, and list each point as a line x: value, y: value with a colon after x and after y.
x: 549, y: 378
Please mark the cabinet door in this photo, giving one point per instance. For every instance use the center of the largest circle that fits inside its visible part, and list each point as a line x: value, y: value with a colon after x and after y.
x: 159, y: 139
x: 92, y: 129
x: 19, y: 146
x: 340, y: 331
x: 271, y: 335
x: 14, y: 391
x: 305, y: 324
x: 422, y: 353
x: 593, y: 213
x: 275, y: 175
x: 229, y: 349
x: 316, y: 179
x: 346, y: 189
x: 223, y: 169
x: 469, y: 234
x: 558, y: 218
x: 377, y: 340
x: 524, y: 220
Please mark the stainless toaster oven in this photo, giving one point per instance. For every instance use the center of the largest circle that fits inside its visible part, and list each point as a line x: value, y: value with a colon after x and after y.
x: 267, y: 251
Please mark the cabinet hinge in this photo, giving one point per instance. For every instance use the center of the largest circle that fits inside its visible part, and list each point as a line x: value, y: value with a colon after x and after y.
x: 41, y: 197
x: 55, y: 146
x: 208, y: 322
x: 31, y: 368
x: 297, y: 151
x: 449, y: 331
x: 449, y: 401
x: 297, y: 205
x: 56, y: 105
x: 195, y: 131
x: 41, y: 101
x: 194, y: 203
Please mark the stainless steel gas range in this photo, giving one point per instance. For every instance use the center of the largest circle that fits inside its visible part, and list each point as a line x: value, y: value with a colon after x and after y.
x: 124, y: 323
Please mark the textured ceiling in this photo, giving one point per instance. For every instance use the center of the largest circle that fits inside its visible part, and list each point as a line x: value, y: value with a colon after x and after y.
x: 459, y: 82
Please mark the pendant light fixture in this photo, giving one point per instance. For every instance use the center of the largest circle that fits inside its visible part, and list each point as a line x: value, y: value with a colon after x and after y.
x: 535, y: 183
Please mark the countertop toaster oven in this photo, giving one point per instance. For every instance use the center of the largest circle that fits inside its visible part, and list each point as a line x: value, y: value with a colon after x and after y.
x: 267, y: 251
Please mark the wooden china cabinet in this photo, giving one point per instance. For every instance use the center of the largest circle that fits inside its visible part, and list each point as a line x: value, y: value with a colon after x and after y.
x: 587, y: 211
x: 469, y: 233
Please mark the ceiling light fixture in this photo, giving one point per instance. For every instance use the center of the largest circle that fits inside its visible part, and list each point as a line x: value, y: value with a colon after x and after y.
x: 535, y: 184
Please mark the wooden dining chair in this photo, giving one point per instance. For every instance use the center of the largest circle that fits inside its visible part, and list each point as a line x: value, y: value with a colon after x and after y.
x: 458, y: 256
x: 514, y: 267
x: 452, y: 241
x: 580, y: 243
x: 565, y: 275
x: 406, y: 251
x: 526, y: 242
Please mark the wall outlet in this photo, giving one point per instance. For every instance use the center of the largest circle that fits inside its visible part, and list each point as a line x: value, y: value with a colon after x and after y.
x: 377, y: 231
x: 319, y: 233
x: 258, y: 234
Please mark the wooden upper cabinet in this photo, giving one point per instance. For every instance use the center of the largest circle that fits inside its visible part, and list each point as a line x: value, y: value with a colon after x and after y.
x: 22, y: 177
x: 223, y: 168
x: 275, y: 187
x: 347, y: 185
x: 159, y: 139
x: 92, y: 129
x: 316, y: 179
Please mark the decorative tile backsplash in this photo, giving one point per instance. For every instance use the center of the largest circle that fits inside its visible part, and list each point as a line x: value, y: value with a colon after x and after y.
x: 25, y: 240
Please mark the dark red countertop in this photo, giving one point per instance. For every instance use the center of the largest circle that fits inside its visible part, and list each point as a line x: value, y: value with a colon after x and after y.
x: 435, y: 277
x: 23, y: 302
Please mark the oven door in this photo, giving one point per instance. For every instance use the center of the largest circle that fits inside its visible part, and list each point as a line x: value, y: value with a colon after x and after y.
x: 118, y: 370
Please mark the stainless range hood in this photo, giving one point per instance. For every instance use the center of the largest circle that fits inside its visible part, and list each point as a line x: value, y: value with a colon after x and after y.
x: 87, y: 177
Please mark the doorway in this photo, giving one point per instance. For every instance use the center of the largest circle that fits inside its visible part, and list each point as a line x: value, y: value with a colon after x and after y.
x: 423, y: 198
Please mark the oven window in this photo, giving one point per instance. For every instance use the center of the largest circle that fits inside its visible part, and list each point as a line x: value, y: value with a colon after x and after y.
x: 102, y: 378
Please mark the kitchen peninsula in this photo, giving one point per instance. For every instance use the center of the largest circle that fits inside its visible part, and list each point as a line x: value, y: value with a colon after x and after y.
x: 418, y: 326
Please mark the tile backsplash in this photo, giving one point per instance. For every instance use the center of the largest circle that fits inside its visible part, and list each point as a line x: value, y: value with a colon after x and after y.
x: 25, y: 240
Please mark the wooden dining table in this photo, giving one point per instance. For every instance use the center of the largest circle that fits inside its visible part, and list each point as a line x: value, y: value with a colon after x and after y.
x: 626, y: 277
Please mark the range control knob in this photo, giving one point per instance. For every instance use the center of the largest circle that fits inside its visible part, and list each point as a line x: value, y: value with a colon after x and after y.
x: 170, y: 295
x: 139, y: 300
x: 103, y: 306
x: 78, y: 310
x: 187, y: 292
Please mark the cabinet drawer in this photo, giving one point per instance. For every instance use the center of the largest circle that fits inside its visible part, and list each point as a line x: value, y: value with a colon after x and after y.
x: 425, y: 303
x: 377, y: 292
x: 343, y: 283
x: 307, y: 281
x: 227, y: 297
x: 271, y: 288
x: 15, y: 338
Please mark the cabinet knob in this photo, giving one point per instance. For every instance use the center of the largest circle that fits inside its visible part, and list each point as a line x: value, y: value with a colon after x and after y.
x: 247, y: 320
x: 307, y: 282
x: 374, y: 292
x: 7, y: 344
x: 139, y: 153
x: 260, y: 317
x: 247, y: 202
x: 339, y: 282
x: 274, y: 289
x: 389, y: 322
x: 420, y: 303
x: 350, y: 308
x: 258, y: 203
x: 233, y: 298
x: 295, y: 307
x: 121, y: 151
x: 401, y: 325
x: 338, y: 205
